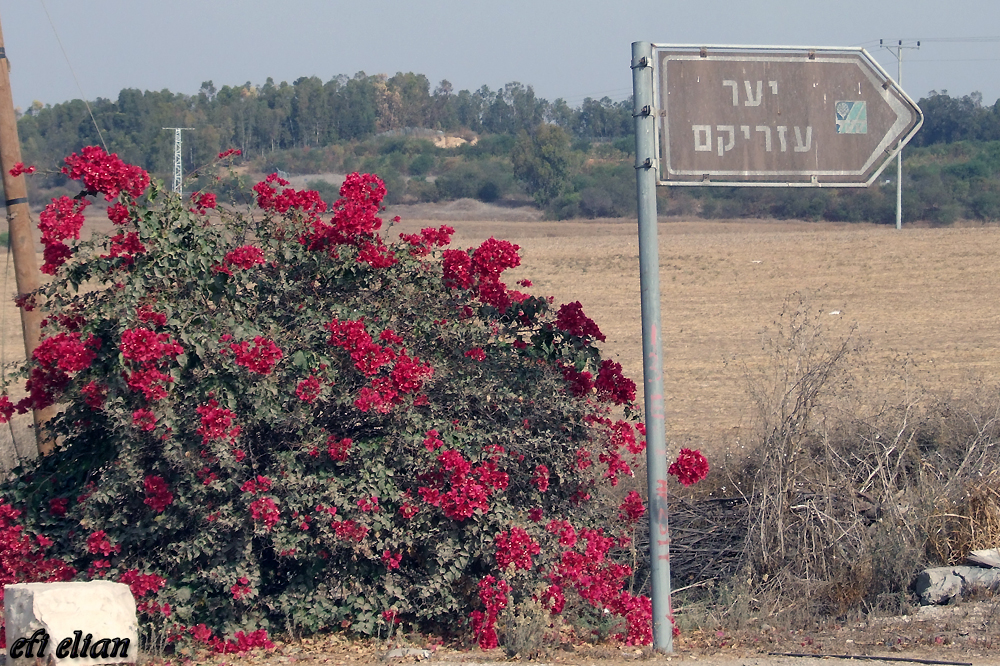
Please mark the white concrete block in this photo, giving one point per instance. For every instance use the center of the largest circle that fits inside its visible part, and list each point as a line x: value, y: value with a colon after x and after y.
x: 74, y: 623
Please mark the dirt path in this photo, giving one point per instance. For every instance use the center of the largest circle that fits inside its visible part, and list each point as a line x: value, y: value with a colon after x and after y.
x: 965, y: 633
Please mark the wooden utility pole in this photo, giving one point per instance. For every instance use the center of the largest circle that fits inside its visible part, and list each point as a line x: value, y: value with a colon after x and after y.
x: 22, y: 243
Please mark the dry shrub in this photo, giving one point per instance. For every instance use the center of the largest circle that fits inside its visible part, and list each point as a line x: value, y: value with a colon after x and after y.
x: 970, y: 523
x: 522, y: 628
x: 852, y: 483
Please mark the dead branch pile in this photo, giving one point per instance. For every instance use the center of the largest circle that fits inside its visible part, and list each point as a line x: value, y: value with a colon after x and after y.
x: 852, y: 485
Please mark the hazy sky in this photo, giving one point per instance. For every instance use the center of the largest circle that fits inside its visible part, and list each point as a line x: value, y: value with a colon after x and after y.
x: 564, y: 49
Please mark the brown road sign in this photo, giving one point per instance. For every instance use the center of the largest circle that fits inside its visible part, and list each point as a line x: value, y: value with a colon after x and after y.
x: 777, y: 116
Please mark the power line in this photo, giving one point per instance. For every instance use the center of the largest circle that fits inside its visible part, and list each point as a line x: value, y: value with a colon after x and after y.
x: 962, y: 40
x: 937, y: 40
x: 954, y: 60
x: 73, y: 72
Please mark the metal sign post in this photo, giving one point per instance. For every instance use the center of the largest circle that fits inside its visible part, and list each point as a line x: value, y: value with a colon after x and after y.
x: 652, y: 364
x: 743, y: 116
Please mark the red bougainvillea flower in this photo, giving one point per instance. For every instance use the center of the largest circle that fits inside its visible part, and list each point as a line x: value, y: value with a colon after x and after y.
x: 127, y: 246
x: 541, y: 478
x: 149, y: 316
x: 457, y: 267
x: 150, y: 381
x: 93, y: 394
x: 391, y: 561
x: 158, y: 496
x: 308, y: 389
x: 26, y: 302
x: 7, y: 409
x: 476, y: 354
x: 261, y: 484
x: 241, y: 588
x: 206, y: 475
x: 145, y: 346
x: 268, y: 197
x: 377, y: 254
x: 350, y: 530
x: 493, y: 596
x: 118, y: 213
x: 19, y: 168
x: 55, y: 255
x: 98, y: 544
x: 216, y: 422
x: 144, y: 419
x: 67, y: 352
x: 571, y: 319
x: 232, y: 152
x: 62, y: 219
x: 493, y: 257
x: 428, y: 238
x: 564, y: 530
x: 356, y: 212
x: 690, y: 467
x: 106, y: 174
x: 432, y: 441
x: 612, y: 385
x: 632, y: 508
x: 580, y: 382
x: 515, y: 547
x: 338, y: 448
x: 265, y: 510
x: 203, y: 200
x: 58, y: 506
x: 260, y: 358
x: 245, y: 257
x: 141, y: 584
x: 244, y: 641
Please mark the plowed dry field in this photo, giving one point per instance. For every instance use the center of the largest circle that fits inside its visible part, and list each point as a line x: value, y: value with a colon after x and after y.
x: 926, y: 301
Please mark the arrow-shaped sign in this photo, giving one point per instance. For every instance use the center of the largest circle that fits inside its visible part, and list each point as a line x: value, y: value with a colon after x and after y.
x: 784, y: 116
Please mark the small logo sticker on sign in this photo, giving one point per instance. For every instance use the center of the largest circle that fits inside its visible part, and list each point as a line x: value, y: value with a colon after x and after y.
x: 852, y: 117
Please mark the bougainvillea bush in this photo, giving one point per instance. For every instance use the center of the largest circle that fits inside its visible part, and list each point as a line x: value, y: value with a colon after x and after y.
x: 275, y: 419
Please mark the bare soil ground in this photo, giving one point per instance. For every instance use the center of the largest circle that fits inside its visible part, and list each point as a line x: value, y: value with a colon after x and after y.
x: 965, y: 634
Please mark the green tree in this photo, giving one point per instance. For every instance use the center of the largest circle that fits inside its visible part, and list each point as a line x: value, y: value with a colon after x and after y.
x: 541, y: 162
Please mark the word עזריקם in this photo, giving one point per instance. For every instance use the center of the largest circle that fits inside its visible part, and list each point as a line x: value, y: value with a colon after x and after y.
x: 74, y: 648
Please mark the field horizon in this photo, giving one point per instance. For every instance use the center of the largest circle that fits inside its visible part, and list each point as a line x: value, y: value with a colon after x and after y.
x: 917, y: 299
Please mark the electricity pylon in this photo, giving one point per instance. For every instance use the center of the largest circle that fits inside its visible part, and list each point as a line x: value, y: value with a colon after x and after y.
x: 178, y: 167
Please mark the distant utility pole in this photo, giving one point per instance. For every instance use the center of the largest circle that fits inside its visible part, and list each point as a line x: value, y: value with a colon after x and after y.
x: 178, y: 167
x: 897, y: 50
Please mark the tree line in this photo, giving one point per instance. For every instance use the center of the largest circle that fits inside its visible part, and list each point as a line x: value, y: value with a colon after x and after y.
x: 572, y: 161
x: 951, y: 119
x: 308, y: 113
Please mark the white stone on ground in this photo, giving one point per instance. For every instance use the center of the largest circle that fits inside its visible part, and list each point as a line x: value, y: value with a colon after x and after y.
x: 102, y: 609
